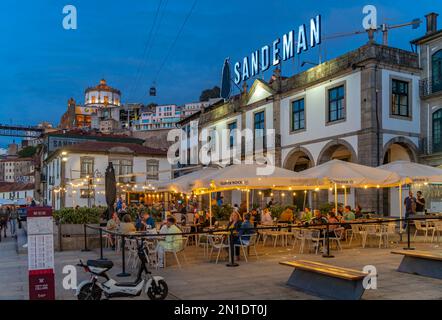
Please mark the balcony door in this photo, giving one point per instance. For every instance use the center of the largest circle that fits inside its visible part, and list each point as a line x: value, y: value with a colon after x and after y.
x: 436, y: 63
x: 437, y: 131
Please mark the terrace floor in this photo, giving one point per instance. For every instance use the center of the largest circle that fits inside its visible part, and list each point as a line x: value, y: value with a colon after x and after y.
x: 259, y: 279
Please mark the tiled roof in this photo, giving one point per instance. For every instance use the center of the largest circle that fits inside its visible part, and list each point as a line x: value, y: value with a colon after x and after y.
x: 15, y: 159
x: 15, y: 186
x: 100, y: 147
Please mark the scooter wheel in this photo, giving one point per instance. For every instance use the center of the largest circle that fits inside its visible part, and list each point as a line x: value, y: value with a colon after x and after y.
x: 158, y: 292
x: 90, y: 292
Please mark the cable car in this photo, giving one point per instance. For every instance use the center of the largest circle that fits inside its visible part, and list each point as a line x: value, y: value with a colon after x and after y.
x: 153, y: 91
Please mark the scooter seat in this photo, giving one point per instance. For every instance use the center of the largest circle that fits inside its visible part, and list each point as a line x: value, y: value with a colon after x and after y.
x: 105, y: 264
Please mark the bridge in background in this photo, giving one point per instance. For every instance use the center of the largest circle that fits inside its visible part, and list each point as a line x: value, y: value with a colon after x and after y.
x: 20, y: 131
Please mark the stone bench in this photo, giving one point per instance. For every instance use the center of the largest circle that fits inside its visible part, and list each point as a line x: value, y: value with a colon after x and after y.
x: 424, y: 263
x: 325, y: 280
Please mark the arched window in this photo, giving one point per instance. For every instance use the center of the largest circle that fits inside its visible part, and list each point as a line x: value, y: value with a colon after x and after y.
x: 437, y: 131
x: 436, y: 63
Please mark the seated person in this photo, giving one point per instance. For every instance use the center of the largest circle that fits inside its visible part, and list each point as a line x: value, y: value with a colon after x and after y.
x: 246, y: 229
x: 318, y: 218
x: 254, y: 217
x: 172, y: 242
x: 286, y: 216
x: 127, y: 226
x: 358, y: 212
x: 306, y: 216
x: 266, y: 218
x: 333, y: 219
x: 112, y: 224
x: 235, y: 221
x: 147, y: 222
x: 244, y: 232
x: 348, y: 214
x: 206, y: 223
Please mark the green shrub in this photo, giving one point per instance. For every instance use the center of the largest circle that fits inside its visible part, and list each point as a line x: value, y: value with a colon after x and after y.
x: 222, y: 213
x: 79, y: 216
x: 276, y: 211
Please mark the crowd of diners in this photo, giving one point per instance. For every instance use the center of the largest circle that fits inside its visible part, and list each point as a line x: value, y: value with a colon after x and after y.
x: 241, y: 221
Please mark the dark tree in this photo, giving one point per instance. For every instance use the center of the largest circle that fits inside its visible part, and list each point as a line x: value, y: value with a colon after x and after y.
x: 27, y: 152
x: 210, y: 94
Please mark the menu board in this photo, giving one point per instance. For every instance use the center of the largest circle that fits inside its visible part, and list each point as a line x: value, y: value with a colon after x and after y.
x: 40, y: 253
x: 40, y: 225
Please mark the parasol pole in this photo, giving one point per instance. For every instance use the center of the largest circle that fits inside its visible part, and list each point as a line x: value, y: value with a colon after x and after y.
x: 247, y: 200
x: 345, y: 195
x: 336, y: 198
x: 210, y: 208
x: 400, y: 207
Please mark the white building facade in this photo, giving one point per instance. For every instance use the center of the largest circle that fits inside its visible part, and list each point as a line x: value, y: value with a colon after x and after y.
x: 76, y: 174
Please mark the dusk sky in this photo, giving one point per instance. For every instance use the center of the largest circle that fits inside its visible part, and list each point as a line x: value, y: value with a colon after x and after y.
x: 43, y: 65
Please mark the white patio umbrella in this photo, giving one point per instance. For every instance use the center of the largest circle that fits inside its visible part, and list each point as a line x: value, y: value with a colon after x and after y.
x: 188, y: 182
x: 411, y: 172
x: 415, y: 172
x: 348, y: 174
x: 192, y: 181
x: 254, y: 176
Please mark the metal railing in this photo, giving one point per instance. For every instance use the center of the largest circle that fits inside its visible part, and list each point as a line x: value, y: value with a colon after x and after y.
x: 430, y: 86
x: 232, y: 234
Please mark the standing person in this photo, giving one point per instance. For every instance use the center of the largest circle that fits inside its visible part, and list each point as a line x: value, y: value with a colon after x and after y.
x: 420, y: 203
x: 219, y: 201
x: 13, y: 216
x: 119, y: 204
x: 410, y: 206
x: 3, y: 222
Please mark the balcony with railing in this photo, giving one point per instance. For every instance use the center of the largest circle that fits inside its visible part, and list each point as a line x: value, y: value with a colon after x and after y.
x: 430, y: 86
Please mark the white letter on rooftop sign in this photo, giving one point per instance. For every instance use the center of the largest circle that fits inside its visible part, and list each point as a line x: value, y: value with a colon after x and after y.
x: 265, y: 58
x: 302, y: 41
x: 288, y: 46
x: 245, y: 69
x: 255, y: 63
x: 237, y: 74
x: 315, y: 31
x: 276, y: 52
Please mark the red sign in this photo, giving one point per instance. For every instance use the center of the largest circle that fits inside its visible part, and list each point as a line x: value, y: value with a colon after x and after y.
x: 34, y: 212
x: 41, y: 285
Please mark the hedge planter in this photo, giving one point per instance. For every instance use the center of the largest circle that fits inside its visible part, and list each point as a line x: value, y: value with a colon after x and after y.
x: 68, y: 237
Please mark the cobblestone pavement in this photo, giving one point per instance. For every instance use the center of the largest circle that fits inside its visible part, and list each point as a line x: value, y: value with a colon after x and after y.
x: 261, y: 278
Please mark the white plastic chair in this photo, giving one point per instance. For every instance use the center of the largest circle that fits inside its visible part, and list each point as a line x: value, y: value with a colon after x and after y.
x: 420, y: 227
x: 355, y: 232
x: 247, y: 241
x: 175, y: 252
x: 216, y: 242
x: 437, y: 230
x: 338, y: 236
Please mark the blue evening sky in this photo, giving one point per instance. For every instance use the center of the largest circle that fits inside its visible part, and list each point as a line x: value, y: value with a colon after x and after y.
x: 42, y: 65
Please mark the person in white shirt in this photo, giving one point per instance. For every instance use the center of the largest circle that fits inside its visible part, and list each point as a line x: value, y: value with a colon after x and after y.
x: 266, y: 217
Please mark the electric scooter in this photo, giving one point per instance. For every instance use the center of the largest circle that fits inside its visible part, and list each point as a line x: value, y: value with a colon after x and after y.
x: 93, y: 289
